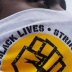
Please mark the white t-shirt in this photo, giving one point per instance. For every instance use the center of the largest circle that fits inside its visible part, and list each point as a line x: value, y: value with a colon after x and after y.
x: 36, y: 40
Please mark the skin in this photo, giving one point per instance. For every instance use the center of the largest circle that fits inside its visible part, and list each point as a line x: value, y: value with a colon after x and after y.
x: 10, y: 7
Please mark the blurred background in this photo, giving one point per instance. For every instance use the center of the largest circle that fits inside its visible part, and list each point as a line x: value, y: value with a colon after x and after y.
x: 69, y: 5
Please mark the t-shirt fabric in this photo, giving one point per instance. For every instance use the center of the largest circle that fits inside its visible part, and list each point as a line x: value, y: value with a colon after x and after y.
x: 36, y: 40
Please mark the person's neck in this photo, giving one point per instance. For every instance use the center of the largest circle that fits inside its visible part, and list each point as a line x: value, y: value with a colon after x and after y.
x: 10, y: 8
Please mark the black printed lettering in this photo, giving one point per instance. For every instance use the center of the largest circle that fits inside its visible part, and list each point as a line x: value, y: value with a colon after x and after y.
x: 13, y: 39
x: 29, y: 29
x: 65, y: 39
x: 61, y: 34
x: 41, y: 28
x: 35, y: 28
x: 56, y: 32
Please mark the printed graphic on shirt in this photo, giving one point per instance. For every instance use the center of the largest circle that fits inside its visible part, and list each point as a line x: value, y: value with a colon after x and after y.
x: 38, y: 52
x: 34, y: 50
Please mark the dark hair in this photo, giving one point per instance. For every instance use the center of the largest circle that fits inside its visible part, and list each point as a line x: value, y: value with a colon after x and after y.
x: 32, y: 0
x: 63, y: 4
x: 50, y: 3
